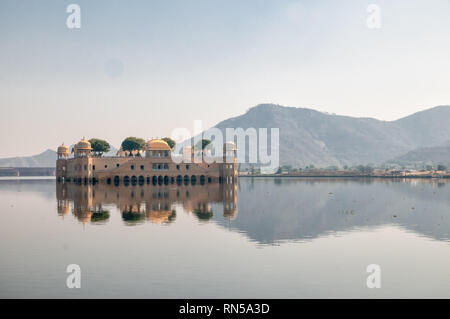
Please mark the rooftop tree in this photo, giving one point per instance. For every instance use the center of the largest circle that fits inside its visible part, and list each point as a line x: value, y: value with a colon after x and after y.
x: 133, y: 144
x: 99, y: 146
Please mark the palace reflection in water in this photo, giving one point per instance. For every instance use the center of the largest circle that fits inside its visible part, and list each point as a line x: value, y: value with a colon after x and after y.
x: 154, y: 203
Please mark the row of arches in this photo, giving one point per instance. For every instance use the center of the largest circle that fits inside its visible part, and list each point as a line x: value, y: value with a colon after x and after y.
x: 155, y: 180
x: 79, y: 180
x: 158, y: 180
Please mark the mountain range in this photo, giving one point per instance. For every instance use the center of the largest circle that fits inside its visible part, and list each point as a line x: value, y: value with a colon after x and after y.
x: 310, y: 137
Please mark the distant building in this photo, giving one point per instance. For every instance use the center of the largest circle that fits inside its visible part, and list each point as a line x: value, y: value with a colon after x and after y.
x: 154, y: 164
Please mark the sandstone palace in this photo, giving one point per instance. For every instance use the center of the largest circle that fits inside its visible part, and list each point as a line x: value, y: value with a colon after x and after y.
x: 152, y: 165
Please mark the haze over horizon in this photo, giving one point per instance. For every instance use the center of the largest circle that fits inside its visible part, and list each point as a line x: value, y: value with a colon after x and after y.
x: 144, y: 68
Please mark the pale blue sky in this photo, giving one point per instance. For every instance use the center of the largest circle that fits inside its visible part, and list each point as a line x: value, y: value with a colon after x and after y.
x: 143, y: 68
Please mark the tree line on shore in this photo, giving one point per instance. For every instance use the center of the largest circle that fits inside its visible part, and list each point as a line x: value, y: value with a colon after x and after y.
x: 363, y: 169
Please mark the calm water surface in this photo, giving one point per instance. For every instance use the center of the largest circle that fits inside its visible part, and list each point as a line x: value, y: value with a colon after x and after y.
x: 259, y: 238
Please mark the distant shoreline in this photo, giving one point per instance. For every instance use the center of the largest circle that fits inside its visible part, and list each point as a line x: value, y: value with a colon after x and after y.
x: 27, y: 171
x: 27, y: 178
x: 49, y: 178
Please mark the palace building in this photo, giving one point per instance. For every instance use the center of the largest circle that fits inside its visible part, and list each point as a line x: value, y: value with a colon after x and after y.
x: 152, y: 165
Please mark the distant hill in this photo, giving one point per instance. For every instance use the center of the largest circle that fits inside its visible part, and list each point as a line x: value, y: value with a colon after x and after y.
x: 424, y: 156
x: 44, y: 159
x: 112, y: 151
x: 312, y: 137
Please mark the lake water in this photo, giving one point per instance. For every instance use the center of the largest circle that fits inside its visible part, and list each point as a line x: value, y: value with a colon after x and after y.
x: 259, y: 238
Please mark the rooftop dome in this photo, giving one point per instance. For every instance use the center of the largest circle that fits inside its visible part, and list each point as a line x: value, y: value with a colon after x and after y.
x: 157, y: 145
x: 83, y: 145
x: 63, y: 149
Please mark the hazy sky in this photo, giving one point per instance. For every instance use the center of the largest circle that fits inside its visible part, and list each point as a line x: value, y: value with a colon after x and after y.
x: 143, y: 68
